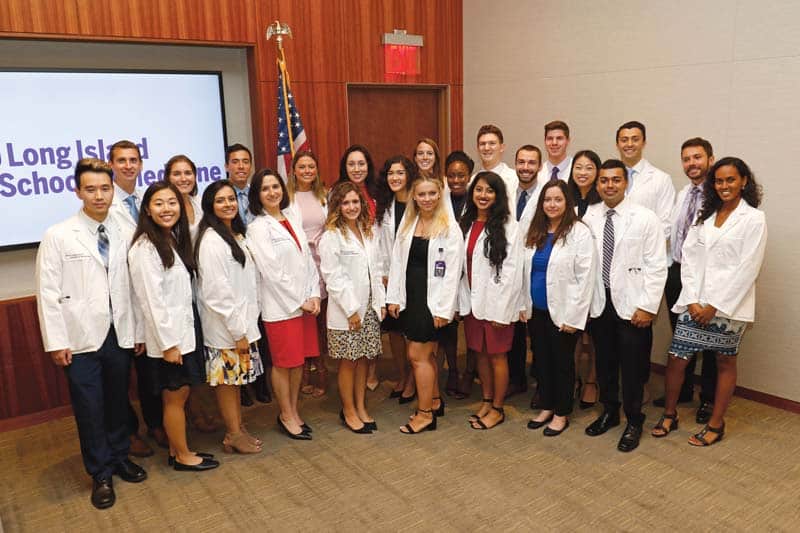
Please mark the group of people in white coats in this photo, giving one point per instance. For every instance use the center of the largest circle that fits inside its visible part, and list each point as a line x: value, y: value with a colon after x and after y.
x: 407, y: 252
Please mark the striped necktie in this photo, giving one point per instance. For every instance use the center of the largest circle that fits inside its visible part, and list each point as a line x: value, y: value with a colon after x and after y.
x: 130, y: 201
x: 102, y: 244
x: 608, y: 248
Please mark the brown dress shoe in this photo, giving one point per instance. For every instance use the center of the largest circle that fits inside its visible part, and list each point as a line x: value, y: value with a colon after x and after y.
x: 139, y: 448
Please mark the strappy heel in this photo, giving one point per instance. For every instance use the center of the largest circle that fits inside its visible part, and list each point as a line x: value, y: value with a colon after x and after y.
x: 700, y: 437
x: 439, y: 411
x: 660, y: 431
x: 473, y: 417
x: 409, y: 430
x: 478, y: 423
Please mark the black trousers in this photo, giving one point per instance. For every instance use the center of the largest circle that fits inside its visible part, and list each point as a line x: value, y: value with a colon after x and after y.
x: 150, y: 402
x: 519, y: 353
x: 555, y: 363
x: 98, y: 389
x: 621, y: 349
x: 708, y: 373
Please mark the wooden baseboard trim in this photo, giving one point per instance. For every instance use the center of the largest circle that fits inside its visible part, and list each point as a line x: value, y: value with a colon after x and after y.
x: 32, y: 419
x: 748, y: 394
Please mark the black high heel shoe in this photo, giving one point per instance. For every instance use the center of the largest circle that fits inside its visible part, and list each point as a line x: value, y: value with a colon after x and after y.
x: 408, y: 430
x: 296, y: 436
x: 439, y: 411
x: 203, y: 455
x: 406, y: 399
x: 363, y: 430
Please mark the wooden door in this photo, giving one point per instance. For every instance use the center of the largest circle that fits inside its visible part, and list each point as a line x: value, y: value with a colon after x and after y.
x: 389, y: 119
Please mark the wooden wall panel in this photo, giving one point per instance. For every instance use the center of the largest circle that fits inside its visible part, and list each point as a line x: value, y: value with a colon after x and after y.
x: 39, y: 16
x: 457, y: 118
x: 29, y: 380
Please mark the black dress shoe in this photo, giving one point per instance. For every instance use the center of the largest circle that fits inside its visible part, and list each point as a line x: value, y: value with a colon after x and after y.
x: 171, y: 458
x: 363, y: 430
x: 602, y: 424
x: 704, y: 412
x: 206, y: 464
x: 406, y: 399
x: 246, y: 400
x: 372, y: 426
x: 533, y: 424
x: 306, y: 428
x: 630, y: 438
x: 130, y: 471
x: 296, y: 436
x: 555, y: 432
x: 683, y: 398
x: 103, y: 495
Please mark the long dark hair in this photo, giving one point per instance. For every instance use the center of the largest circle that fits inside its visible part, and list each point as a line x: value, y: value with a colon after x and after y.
x: 592, y: 197
x: 751, y: 193
x: 177, y: 237
x: 540, y: 225
x: 369, y: 182
x: 254, y: 196
x: 385, y: 194
x: 494, y: 247
x: 210, y: 220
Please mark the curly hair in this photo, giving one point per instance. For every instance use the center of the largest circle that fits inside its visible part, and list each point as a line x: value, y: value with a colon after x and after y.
x: 751, y: 192
x: 540, y: 225
x: 336, y: 221
x: 496, y: 243
x: 385, y: 194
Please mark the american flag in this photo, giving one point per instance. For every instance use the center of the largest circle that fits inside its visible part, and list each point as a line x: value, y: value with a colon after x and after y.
x: 291, y: 135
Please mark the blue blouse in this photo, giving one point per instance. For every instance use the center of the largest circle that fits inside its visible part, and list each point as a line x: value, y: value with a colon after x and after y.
x: 539, y: 274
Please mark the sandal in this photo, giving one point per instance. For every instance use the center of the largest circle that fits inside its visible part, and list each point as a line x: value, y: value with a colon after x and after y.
x: 409, y: 430
x: 476, y: 416
x: 478, y: 423
x: 584, y: 404
x: 700, y: 437
x: 239, y: 443
x: 660, y: 430
x: 322, y: 381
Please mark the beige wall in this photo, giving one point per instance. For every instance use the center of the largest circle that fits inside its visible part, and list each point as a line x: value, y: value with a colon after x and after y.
x: 16, y: 268
x: 726, y: 71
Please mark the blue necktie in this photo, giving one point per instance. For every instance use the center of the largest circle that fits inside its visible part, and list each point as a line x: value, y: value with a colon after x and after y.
x: 102, y: 244
x: 241, y: 197
x: 130, y: 201
x: 523, y: 200
x: 608, y: 248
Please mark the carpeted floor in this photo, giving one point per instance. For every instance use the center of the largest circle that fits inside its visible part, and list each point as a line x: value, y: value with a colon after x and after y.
x: 452, y: 479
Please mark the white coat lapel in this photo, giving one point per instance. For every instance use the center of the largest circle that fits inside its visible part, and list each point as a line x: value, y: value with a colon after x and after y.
x: 84, y: 237
x: 621, y: 226
x: 733, y: 220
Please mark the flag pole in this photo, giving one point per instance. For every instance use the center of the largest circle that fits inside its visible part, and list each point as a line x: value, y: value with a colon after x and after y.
x: 278, y: 30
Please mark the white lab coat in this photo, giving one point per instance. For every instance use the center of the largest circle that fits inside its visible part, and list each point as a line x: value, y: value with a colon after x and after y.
x: 491, y: 296
x: 164, y: 297
x: 639, y: 265
x: 227, y: 293
x: 288, y: 274
x: 530, y: 207
x: 722, y: 272
x: 652, y: 188
x: 198, y: 215
x: 442, y: 291
x: 386, y: 239
x: 73, y: 287
x: 119, y: 210
x: 571, y: 279
x: 351, y: 269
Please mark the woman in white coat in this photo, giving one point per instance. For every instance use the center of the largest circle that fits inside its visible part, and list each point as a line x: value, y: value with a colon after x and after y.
x: 722, y: 256
x: 426, y: 265
x: 394, y: 184
x: 308, y: 200
x: 161, y: 266
x: 489, y: 292
x: 228, y: 305
x: 289, y: 294
x: 350, y: 266
x: 560, y: 262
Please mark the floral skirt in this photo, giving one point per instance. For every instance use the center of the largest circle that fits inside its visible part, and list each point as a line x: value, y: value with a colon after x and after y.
x: 721, y: 335
x: 224, y: 368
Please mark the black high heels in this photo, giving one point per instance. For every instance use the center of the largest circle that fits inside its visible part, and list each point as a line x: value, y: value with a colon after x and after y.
x: 363, y: 430
x: 439, y: 411
x: 296, y: 436
x: 406, y: 399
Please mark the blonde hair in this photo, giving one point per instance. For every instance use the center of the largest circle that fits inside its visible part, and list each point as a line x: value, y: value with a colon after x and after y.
x: 336, y: 221
x: 318, y: 188
x: 441, y: 220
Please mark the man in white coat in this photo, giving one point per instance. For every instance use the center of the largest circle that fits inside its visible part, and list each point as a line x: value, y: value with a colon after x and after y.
x: 647, y: 186
x: 556, y: 142
x: 490, y: 149
x: 634, y: 269
x: 527, y: 162
x: 88, y: 326
x: 125, y: 159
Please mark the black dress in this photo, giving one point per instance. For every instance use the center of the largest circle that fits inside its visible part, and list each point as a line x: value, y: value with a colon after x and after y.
x: 416, y: 319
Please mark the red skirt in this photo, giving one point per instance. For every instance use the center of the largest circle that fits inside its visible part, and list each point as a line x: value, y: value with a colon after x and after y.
x: 483, y: 337
x: 292, y: 340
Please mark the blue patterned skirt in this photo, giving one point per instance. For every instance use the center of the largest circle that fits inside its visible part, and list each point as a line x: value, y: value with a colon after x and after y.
x: 721, y: 335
